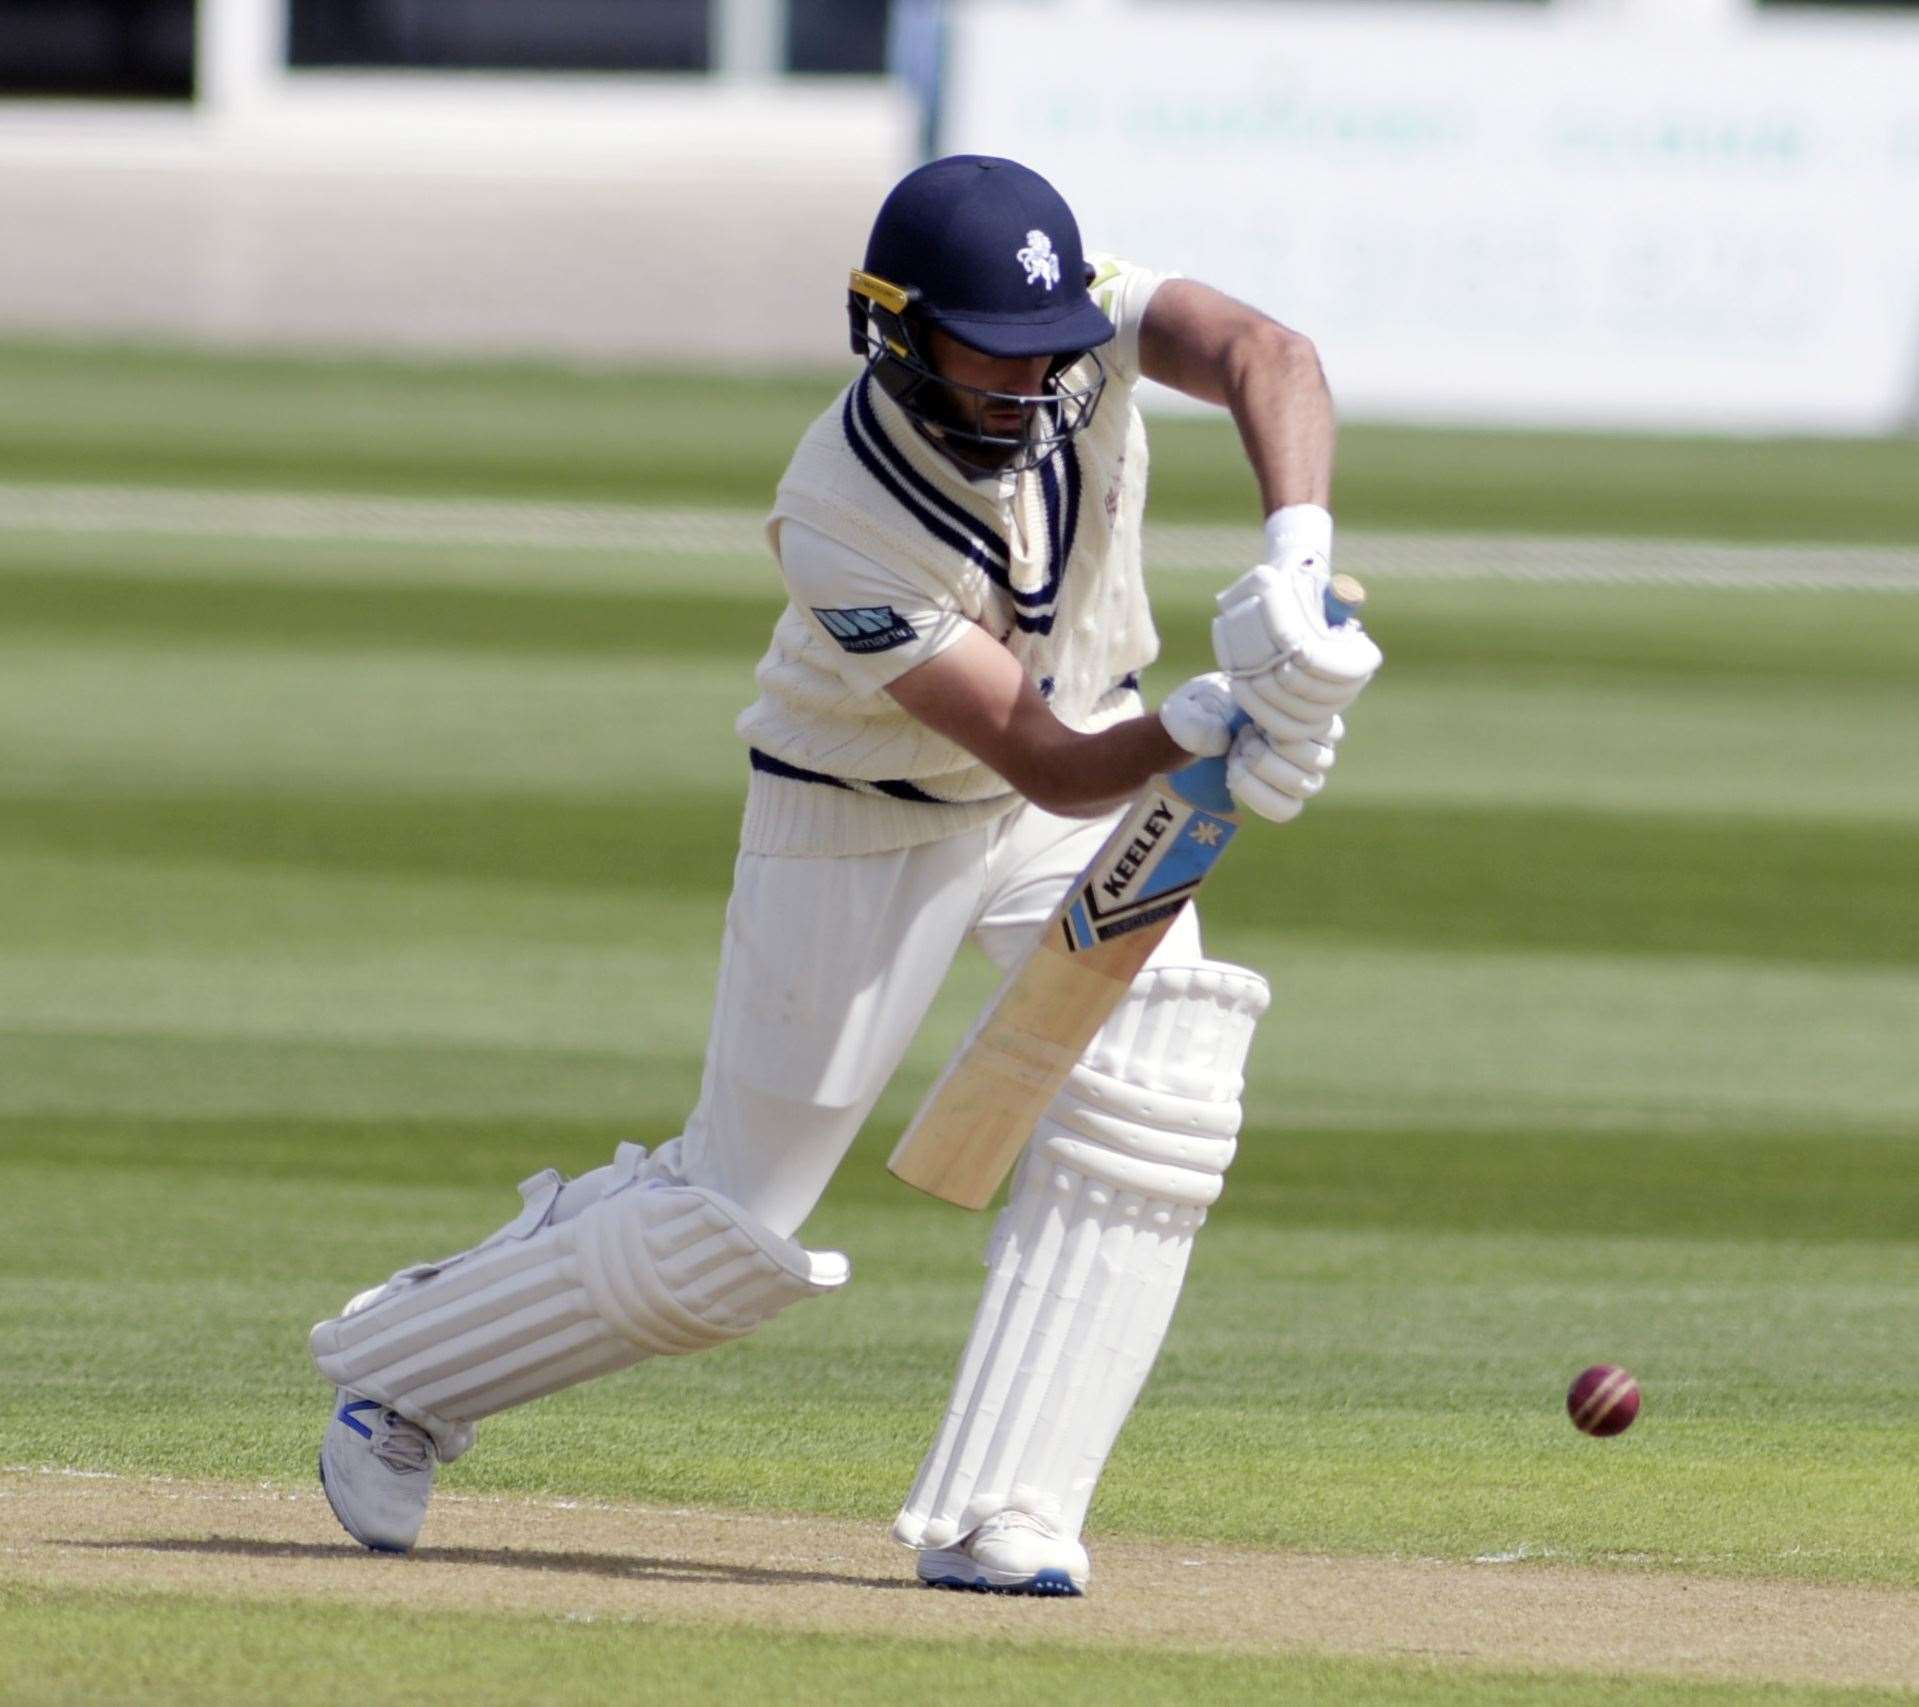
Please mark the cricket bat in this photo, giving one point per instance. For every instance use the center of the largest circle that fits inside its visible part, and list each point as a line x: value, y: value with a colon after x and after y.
x: 981, y: 1110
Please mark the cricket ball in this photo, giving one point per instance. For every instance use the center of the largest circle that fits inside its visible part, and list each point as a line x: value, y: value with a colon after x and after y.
x: 1603, y: 1400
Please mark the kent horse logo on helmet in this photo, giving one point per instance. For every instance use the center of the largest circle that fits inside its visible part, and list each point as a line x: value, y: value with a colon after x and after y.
x: 1041, y: 264
x: 937, y: 261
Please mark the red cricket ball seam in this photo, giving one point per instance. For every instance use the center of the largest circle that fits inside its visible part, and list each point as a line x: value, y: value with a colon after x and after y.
x: 1604, y: 1399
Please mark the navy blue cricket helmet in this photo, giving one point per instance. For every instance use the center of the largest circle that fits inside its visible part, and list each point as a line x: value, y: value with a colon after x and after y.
x: 988, y: 252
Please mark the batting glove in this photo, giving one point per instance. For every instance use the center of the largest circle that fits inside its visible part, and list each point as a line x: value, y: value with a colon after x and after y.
x: 1199, y: 715
x: 1292, y: 671
x: 1276, y: 779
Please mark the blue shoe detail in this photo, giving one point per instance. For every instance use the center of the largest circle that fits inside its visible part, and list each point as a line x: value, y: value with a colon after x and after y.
x: 1056, y: 1584
x: 347, y: 1409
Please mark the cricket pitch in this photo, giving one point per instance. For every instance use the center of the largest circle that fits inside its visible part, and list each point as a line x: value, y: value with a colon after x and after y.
x: 596, y: 1561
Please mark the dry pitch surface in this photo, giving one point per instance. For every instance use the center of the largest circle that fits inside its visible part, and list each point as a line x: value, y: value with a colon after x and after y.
x: 595, y: 1561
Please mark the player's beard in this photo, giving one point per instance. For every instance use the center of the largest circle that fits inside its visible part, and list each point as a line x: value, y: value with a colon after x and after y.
x: 953, y: 416
x: 956, y: 420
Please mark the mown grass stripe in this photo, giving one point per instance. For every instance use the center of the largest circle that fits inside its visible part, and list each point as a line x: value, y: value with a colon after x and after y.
x: 157, y: 1645
x: 685, y: 531
x: 1653, y: 883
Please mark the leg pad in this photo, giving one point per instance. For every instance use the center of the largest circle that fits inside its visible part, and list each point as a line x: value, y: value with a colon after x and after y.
x: 648, y: 1270
x: 1088, y: 1258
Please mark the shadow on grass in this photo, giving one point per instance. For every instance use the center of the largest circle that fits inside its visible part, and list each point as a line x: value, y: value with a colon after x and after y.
x: 614, y: 1565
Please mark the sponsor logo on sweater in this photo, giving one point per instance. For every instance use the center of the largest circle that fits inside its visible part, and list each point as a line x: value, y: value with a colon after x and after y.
x: 866, y: 628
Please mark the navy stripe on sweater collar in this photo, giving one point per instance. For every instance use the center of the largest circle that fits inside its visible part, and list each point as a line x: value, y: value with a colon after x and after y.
x: 991, y: 541
x: 938, y: 514
x: 968, y: 546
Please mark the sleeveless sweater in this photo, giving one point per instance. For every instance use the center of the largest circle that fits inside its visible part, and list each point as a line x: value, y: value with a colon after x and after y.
x: 1050, y: 568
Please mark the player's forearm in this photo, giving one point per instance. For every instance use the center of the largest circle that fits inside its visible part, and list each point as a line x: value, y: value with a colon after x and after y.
x: 975, y: 693
x: 1202, y: 342
x: 1277, y: 392
x: 1084, y: 776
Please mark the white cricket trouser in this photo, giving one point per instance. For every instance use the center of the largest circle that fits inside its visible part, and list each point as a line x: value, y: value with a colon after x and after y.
x: 827, y: 969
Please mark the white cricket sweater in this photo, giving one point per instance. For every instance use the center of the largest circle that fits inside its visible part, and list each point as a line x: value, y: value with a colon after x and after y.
x: 1049, y: 564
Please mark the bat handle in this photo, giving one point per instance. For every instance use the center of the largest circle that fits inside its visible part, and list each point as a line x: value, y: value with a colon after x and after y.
x: 1343, y: 599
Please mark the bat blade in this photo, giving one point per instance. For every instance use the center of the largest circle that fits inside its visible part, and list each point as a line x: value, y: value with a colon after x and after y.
x: 983, y: 1107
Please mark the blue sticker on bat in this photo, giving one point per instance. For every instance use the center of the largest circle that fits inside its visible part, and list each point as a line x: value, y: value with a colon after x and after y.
x: 1079, y: 928
x: 1203, y: 782
x: 1168, y: 849
x: 1189, y: 859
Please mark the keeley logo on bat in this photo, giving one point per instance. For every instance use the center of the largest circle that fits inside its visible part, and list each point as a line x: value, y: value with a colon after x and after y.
x: 1157, y: 823
x: 1169, y: 846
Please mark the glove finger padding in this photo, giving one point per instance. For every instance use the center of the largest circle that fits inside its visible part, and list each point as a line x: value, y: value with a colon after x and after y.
x: 1282, y: 714
x: 1279, y: 727
x: 1266, y: 781
x: 1314, y: 757
x: 1320, y: 677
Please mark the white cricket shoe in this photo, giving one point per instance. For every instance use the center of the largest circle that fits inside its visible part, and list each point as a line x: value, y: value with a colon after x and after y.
x: 1012, y: 1552
x: 377, y: 1470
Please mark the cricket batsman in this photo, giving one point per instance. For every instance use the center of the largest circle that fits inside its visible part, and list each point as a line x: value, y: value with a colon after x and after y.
x: 949, y: 721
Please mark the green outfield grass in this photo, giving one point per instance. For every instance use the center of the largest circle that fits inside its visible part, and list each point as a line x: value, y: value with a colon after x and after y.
x: 143, y: 416
x: 167, y: 1648
x: 335, y: 898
